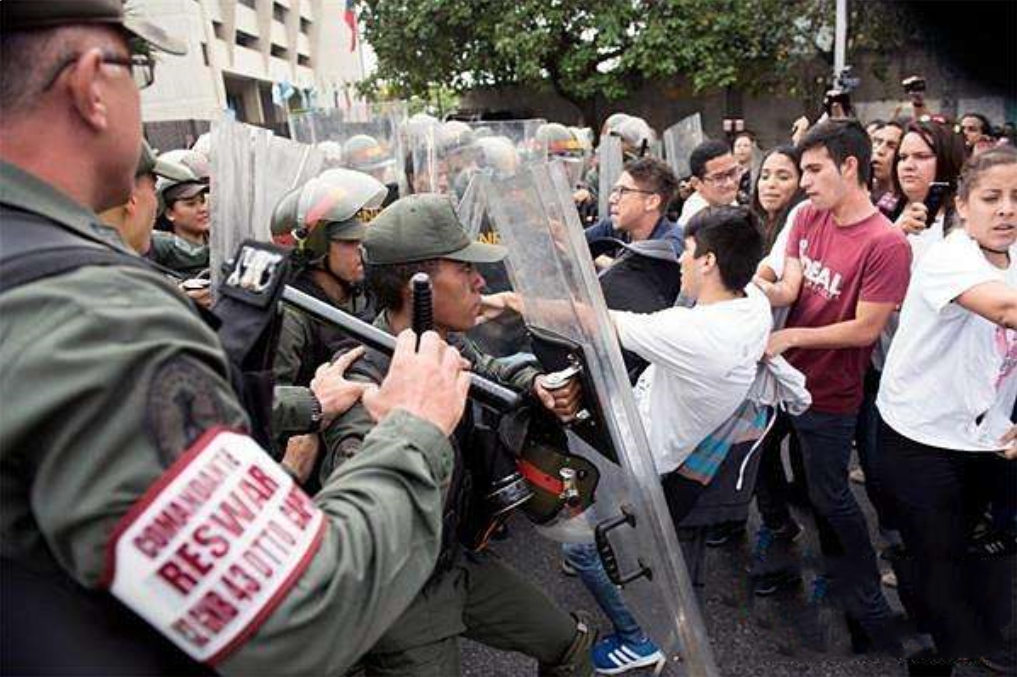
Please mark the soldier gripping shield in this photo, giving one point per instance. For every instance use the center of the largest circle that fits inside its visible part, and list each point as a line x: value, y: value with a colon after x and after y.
x: 563, y: 307
x: 471, y: 592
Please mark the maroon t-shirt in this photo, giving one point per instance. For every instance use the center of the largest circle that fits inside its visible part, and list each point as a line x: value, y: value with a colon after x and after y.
x: 842, y: 265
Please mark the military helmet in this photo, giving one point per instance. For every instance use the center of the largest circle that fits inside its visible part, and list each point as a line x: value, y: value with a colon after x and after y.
x: 498, y: 154
x: 416, y: 128
x: 454, y: 136
x: 613, y: 121
x: 284, y: 216
x: 363, y: 153
x: 203, y: 145
x: 558, y: 140
x: 179, y: 184
x: 335, y: 205
x: 331, y: 153
x: 192, y: 159
x: 635, y: 133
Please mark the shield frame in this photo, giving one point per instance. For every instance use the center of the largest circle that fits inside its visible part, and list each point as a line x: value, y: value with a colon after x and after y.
x: 551, y: 268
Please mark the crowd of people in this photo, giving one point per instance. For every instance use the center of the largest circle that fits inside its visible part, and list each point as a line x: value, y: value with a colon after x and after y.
x: 867, y: 270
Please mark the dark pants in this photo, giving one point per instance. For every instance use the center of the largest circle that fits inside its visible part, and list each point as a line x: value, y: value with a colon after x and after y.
x: 843, y: 531
x: 773, y: 490
x: 963, y: 599
x: 867, y: 444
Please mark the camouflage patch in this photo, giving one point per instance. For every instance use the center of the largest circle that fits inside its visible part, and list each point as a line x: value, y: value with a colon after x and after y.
x: 183, y: 402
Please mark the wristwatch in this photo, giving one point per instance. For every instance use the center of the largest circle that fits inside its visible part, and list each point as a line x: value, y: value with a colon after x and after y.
x: 317, y: 415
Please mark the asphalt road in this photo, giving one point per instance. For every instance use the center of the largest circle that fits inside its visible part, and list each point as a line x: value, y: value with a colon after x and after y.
x: 776, y: 636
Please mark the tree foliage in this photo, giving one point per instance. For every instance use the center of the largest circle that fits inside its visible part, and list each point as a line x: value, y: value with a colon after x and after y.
x: 586, y: 49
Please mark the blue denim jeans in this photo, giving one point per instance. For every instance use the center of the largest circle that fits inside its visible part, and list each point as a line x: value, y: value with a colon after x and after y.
x: 843, y: 531
x: 584, y: 559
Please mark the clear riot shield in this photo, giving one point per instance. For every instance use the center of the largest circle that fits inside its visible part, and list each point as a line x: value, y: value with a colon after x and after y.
x: 522, y: 134
x: 251, y: 170
x: 610, y: 162
x: 563, y: 306
x: 472, y: 207
x: 679, y: 141
x: 368, y: 143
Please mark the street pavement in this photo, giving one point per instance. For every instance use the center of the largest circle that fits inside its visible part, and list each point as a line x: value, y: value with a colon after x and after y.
x: 751, y: 636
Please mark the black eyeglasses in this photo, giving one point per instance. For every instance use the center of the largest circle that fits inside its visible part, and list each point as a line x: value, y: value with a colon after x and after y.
x: 622, y: 191
x: 142, y: 68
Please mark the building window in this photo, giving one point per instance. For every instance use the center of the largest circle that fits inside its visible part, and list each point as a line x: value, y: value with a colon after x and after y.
x: 280, y: 52
x: 219, y: 30
x: 305, y: 26
x: 247, y: 3
x: 279, y: 12
x: 247, y: 40
x: 304, y: 60
x: 204, y: 53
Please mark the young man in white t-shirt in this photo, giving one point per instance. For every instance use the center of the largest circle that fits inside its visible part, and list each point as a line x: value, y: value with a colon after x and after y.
x: 702, y: 363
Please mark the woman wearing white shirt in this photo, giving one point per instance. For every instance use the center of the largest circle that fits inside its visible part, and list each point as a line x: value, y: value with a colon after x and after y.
x: 947, y: 400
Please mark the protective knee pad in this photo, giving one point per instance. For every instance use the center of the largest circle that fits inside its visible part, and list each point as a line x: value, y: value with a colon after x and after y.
x: 577, y: 661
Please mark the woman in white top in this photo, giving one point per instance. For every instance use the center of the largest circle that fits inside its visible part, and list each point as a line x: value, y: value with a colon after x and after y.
x: 947, y: 406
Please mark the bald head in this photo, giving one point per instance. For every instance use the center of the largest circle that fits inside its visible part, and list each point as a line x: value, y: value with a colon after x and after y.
x: 70, y: 111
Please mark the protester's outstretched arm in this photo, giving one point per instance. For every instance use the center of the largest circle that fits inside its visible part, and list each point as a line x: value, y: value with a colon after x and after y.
x: 995, y: 301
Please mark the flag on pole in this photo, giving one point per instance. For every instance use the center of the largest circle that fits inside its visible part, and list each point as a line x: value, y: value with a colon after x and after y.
x: 350, y: 17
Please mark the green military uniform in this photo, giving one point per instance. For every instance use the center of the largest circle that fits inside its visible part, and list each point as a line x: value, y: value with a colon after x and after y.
x: 108, y: 378
x: 470, y: 594
x: 182, y: 256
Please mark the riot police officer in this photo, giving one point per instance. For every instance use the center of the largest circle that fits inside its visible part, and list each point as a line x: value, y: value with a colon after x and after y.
x: 471, y: 592
x: 130, y: 488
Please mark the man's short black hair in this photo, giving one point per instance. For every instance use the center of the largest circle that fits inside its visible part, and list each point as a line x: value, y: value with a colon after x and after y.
x: 842, y: 139
x: 733, y: 235
x: 703, y: 153
x: 656, y: 175
x: 388, y: 282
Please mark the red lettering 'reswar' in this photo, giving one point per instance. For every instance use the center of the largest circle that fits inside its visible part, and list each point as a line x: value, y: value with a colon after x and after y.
x: 165, y: 526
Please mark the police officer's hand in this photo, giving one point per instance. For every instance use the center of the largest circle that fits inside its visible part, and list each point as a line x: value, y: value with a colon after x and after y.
x: 562, y: 402
x: 203, y: 296
x: 301, y: 455
x: 431, y: 383
x: 333, y: 391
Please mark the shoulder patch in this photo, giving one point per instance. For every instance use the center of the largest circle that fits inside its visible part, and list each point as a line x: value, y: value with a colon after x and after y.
x: 183, y: 402
x: 213, y: 547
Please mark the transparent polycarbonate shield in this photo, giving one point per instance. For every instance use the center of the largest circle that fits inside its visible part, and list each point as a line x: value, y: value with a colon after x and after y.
x: 522, y: 133
x: 369, y: 144
x: 609, y: 167
x: 472, y: 207
x: 251, y: 170
x: 679, y: 141
x: 551, y: 269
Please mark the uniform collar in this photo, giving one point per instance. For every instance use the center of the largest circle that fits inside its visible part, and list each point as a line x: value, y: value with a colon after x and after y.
x: 24, y: 191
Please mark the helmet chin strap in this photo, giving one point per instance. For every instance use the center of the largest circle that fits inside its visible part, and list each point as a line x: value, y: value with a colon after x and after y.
x: 994, y: 251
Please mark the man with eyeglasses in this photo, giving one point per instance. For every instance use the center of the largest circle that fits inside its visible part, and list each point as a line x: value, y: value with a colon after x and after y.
x: 143, y: 531
x: 638, y: 206
x: 716, y: 176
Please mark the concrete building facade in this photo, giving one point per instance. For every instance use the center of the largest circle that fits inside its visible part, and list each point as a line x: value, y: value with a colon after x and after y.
x: 239, y: 50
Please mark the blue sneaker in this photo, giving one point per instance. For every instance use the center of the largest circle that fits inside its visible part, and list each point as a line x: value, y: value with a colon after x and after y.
x: 613, y: 656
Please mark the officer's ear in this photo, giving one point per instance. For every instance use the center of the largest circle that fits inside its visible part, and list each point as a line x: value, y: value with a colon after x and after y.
x: 88, y: 91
